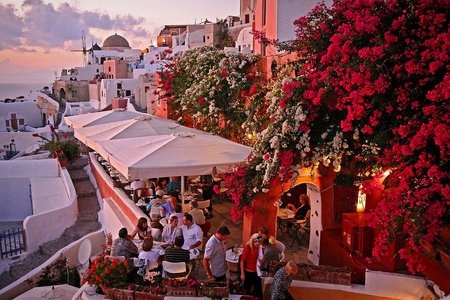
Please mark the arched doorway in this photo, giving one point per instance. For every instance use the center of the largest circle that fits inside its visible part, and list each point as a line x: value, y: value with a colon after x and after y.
x: 292, y: 196
x: 62, y: 94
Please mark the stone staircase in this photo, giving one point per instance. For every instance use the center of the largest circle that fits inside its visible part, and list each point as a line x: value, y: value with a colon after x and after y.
x: 87, y: 222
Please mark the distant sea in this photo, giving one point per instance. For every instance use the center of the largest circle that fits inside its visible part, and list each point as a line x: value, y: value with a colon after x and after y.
x: 13, y: 90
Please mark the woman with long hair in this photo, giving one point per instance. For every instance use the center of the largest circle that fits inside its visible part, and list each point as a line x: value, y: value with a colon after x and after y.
x: 142, y: 229
x: 248, y: 263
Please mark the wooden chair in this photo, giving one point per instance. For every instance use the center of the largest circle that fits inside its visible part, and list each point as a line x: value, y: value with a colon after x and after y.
x: 173, y: 270
x: 301, y: 228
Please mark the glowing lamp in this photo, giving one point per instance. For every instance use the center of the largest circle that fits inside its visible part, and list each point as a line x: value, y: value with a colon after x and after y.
x: 361, y: 204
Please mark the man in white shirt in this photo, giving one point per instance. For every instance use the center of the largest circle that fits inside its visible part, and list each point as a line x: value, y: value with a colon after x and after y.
x: 192, y: 233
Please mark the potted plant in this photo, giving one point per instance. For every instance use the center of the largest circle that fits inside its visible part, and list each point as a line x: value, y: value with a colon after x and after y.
x: 107, y: 273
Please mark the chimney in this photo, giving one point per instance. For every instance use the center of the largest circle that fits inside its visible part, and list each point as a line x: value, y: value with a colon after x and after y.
x: 119, y: 103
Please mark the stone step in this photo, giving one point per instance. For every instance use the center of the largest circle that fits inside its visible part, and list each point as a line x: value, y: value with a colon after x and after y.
x: 79, y: 163
x: 78, y: 175
x: 86, y: 194
x: 84, y: 189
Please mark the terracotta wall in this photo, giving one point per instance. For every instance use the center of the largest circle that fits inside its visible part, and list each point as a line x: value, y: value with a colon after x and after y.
x: 107, y: 190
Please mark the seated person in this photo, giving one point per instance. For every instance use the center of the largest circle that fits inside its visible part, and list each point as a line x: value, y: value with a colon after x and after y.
x: 142, y: 229
x: 174, y: 185
x: 148, y: 257
x: 155, y: 231
x: 170, y: 205
x: 178, y: 254
x: 123, y: 246
x: 300, y: 213
x: 170, y: 232
x: 192, y: 233
x: 178, y: 214
x: 154, y: 205
x: 197, y: 214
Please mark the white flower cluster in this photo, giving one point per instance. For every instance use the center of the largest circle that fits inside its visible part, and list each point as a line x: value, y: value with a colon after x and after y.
x: 283, y: 134
x: 209, y: 82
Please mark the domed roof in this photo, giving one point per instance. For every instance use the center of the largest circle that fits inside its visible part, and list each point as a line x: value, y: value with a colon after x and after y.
x: 115, y: 41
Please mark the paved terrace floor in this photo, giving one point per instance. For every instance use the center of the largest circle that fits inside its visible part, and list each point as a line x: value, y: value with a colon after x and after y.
x: 222, y: 216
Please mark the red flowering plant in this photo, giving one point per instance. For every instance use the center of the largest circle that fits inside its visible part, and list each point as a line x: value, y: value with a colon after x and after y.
x: 374, y: 86
x: 189, y: 283
x: 107, y: 272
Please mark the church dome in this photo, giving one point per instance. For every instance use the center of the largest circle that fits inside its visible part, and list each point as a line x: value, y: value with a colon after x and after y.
x: 115, y: 42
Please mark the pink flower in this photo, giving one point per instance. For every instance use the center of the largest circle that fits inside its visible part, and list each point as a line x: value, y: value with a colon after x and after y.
x: 216, y: 189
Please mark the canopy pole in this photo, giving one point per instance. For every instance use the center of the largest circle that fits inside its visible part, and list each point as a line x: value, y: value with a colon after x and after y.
x: 182, y: 190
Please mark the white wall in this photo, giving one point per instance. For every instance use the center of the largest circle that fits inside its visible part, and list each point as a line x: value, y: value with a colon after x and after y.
x: 15, y: 199
x: 389, y: 285
x: 27, y: 169
x: 395, y: 285
x: 290, y: 10
x: 108, y: 89
x: 41, y: 228
x: 245, y: 40
x: 28, y: 110
x: 194, y: 37
x: 48, y: 194
x: 21, y: 285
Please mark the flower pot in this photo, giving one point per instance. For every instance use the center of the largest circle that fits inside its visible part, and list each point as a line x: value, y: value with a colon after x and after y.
x: 118, y: 294
x: 181, y: 291
x: 147, y: 296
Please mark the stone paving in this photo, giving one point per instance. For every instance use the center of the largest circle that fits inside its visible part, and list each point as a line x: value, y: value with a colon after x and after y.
x: 86, y: 223
x: 221, y: 211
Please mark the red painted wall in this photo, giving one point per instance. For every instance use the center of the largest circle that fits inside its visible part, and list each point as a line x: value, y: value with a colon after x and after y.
x: 108, y: 191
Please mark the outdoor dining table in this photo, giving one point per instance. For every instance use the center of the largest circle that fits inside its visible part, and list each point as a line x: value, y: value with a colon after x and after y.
x: 232, y: 258
x: 284, y: 216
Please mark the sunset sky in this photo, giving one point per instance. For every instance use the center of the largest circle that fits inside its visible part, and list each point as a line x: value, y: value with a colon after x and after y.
x: 36, y: 36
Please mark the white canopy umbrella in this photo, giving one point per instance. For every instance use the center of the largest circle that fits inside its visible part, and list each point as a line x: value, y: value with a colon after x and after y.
x: 101, y: 117
x: 178, y: 154
x: 63, y: 292
x: 135, y: 127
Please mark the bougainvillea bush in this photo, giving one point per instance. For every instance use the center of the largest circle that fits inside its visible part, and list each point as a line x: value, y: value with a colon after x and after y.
x: 212, y: 89
x: 372, y: 92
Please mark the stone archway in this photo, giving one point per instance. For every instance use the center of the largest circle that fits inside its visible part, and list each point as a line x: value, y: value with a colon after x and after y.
x: 320, y: 188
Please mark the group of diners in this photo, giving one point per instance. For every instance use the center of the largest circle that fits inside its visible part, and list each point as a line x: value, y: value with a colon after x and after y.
x: 152, y: 194
x: 184, y: 244
x: 178, y: 245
